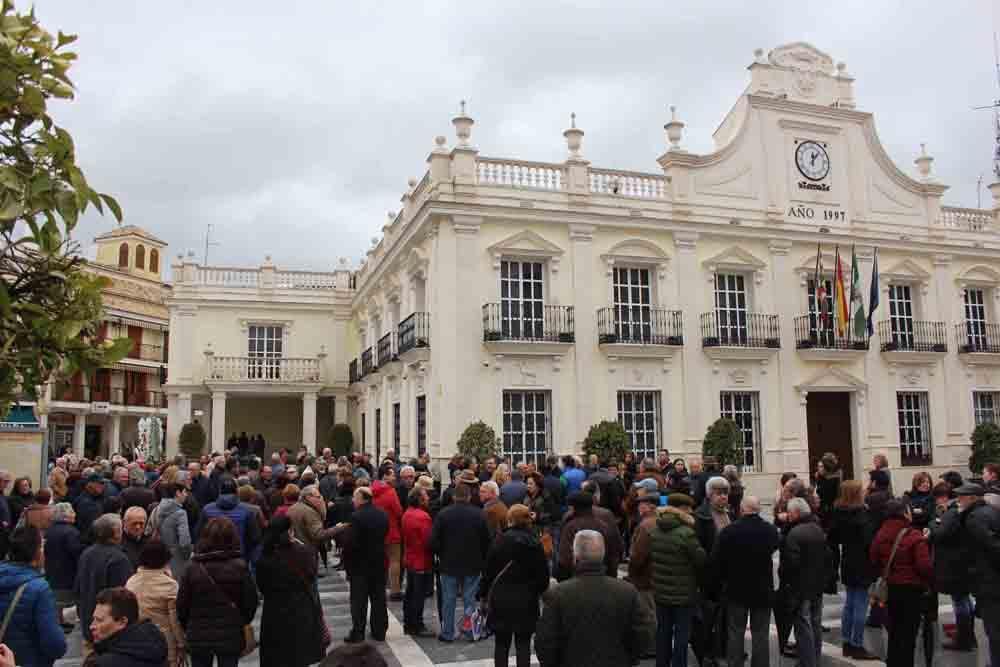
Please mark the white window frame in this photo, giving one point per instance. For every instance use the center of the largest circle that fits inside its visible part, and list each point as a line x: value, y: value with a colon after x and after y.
x: 515, y: 415
x: 507, y: 319
x: 825, y: 336
x: 976, y: 317
x: 420, y: 411
x: 633, y: 316
x: 735, y: 333
x: 749, y: 405
x: 629, y: 416
x: 985, y: 407
x: 264, y: 363
x: 901, y: 325
x: 913, y: 418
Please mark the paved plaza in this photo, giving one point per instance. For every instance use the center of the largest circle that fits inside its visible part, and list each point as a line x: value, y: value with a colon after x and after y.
x: 400, y: 649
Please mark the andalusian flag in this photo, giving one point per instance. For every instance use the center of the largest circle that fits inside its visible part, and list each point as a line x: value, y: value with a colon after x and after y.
x: 873, y: 294
x: 839, y: 297
x: 857, y: 301
x: 819, y: 290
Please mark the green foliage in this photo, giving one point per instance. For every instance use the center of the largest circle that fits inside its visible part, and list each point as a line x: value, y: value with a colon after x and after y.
x: 49, y: 309
x: 192, y: 440
x: 985, y: 446
x: 478, y: 441
x: 722, y: 442
x: 608, y: 440
x: 340, y: 440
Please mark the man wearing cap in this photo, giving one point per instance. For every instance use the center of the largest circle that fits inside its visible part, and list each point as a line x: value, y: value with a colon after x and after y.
x: 678, y: 559
x: 640, y: 565
x: 981, y: 523
x: 89, y: 506
x: 584, y: 519
x: 743, y: 567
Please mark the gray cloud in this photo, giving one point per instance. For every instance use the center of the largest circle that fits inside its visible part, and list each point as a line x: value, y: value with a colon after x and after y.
x: 293, y: 126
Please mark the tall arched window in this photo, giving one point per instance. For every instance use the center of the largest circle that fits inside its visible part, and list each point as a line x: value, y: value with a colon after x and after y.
x: 154, y: 261
x: 140, y: 256
x: 123, y: 255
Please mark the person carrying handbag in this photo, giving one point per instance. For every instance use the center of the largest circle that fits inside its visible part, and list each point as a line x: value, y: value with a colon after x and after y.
x: 902, y: 554
x: 515, y: 577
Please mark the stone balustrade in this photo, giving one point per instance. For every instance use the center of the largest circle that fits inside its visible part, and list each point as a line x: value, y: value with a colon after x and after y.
x: 281, y: 370
x: 968, y: 219
x: 520, y: 174
x: 304, y: 280
x: 627, y: 184
x: 227, y: 276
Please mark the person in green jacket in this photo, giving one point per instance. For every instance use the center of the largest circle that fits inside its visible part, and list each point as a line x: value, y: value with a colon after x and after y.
x: 677, y: 559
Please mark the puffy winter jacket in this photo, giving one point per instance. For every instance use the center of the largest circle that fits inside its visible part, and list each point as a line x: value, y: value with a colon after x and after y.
x: 229, y: 506
x: 217, y: 597
x: 101, y: 566
x: 417, y: 554
x: 62, y: 551
x: 677, y: 558
x: 573, y: 479
x: 386, y: 499
x: 138, y: 645
x: 850, y: 538
x: 951, y: 554
x: 982, y: 531
x: 173, y: 527
x: 88, y: 508
x: 34, y: 634
x: 912, y: 564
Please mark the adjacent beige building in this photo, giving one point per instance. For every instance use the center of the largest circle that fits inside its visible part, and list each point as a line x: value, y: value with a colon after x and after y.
x: 544, y: 297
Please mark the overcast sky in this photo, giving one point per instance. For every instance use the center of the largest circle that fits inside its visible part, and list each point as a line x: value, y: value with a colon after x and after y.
x: 292, y: 127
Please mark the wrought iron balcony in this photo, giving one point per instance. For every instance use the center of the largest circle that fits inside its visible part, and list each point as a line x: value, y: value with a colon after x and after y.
x: 367, y: 362
x: 639, y: 326
x: 740, y: 329
x: 414, y: 332
x: 912, y: 336
x: 147, y: 353
x: 811, y: 335
x: 387, y: 349
x: 353, y: 371
x: 978, y: 337
x: 524, y: 321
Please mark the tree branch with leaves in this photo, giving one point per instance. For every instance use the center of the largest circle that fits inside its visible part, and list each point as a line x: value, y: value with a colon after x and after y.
x: 50, y: 308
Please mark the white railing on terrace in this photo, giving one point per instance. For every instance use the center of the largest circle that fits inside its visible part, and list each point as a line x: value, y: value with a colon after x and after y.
x: 304, y: 280
x: 627, y: 184
x: 227, y: 277
x: 969, y: 219
x: 520, y: 174
x: 264, y: 371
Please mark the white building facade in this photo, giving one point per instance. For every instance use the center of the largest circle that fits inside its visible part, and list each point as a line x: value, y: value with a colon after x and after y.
x: 543, y: 298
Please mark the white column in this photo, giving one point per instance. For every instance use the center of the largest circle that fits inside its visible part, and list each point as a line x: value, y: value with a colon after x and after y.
x: 79, y: 431
x: 218, y: 441
x: 178, y: 414
x: 309, y: 421
x: 115, y: 439
x: 581, y: 238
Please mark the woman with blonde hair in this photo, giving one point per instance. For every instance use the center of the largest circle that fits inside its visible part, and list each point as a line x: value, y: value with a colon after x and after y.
x: 515, y: 577
x: 850, y: 537
x: 57, y: 484
x: 156, y: 591
x: 168, y: 476
x: 501, y: 475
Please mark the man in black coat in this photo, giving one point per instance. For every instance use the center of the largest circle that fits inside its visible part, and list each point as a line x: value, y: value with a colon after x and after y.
x: 89, y: 505
x: 102, y: 565
x: 460, y: 538
x: 951, y: 574
x: 365, y: 561
x: 742, y: 564
x: 120, y: 638
x: 803, y: 572
x: 981, y: 526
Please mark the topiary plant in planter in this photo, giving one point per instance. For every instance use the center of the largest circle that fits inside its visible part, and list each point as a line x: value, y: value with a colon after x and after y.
x: 722, y: 442
x: 341, y: 440
x: 192, y: 440
x: 608, y: 440
x: 478, y: 441
x: 985, y: 446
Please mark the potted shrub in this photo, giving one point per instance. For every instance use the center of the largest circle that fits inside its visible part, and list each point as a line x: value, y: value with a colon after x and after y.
x: 722, y: 443
x: 608, y: 440
x: 192, y: 440
x: 985, y: 446
x: 478, y: 441
x: 340, y: 440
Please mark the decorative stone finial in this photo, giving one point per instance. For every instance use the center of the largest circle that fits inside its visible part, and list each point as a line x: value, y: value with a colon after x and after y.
x: 675, y: 129
x: 391, y: 215
x: 574, y: 138
x: 758, y: 55
x: 923, y: 163
x: 463, y: 127
x: 439, y: 141
x: 412, y: 182
x: 342, y: 261
x: 191, y: 254
x: 374, y: 241
x: 841, y: 69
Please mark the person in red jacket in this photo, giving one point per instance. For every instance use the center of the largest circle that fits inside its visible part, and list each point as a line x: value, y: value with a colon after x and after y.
x: 909, y: 578
x: 387, y: 500
x: 418, y: 560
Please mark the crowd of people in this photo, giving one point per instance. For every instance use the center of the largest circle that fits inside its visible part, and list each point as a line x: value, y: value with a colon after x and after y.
x: 168, y: 564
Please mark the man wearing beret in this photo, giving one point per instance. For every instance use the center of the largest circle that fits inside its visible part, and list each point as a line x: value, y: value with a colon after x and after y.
x: 981, y: 522
x: 89, y: 506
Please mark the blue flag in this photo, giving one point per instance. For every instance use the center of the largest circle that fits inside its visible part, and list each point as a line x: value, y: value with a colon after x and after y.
x: 873, y: 294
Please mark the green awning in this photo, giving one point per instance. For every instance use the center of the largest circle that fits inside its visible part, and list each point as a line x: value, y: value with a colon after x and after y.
x: 21, y: 414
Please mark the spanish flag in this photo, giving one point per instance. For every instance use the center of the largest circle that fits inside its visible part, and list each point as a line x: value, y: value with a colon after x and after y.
x: 840, y: 298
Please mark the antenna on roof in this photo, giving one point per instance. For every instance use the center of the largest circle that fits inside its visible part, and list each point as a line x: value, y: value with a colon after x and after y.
x: 996, y: 110
x: 208, y: 233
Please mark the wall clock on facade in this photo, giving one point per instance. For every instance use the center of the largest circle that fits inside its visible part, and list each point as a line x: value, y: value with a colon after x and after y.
x: 812, y: 160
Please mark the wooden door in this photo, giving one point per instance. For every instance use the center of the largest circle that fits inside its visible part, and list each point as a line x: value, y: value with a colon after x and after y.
x: 828, y: 415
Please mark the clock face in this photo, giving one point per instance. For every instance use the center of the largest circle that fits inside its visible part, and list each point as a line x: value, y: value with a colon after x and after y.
x: 812, y: 160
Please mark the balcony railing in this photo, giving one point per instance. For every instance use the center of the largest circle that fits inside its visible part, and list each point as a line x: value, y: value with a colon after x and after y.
x: 978, y: 337
x: 367, y: 362
x: 263, y: 370
x: 810, y: 335
x: 639, y: 326
x: 729, y: 328
x: 912, y: 336
x: 387, y: 349
x: 114, y: 395
x: 510, y: 321
x: 415, y: 332
x: 147, y: 353
x: 353, y: 371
